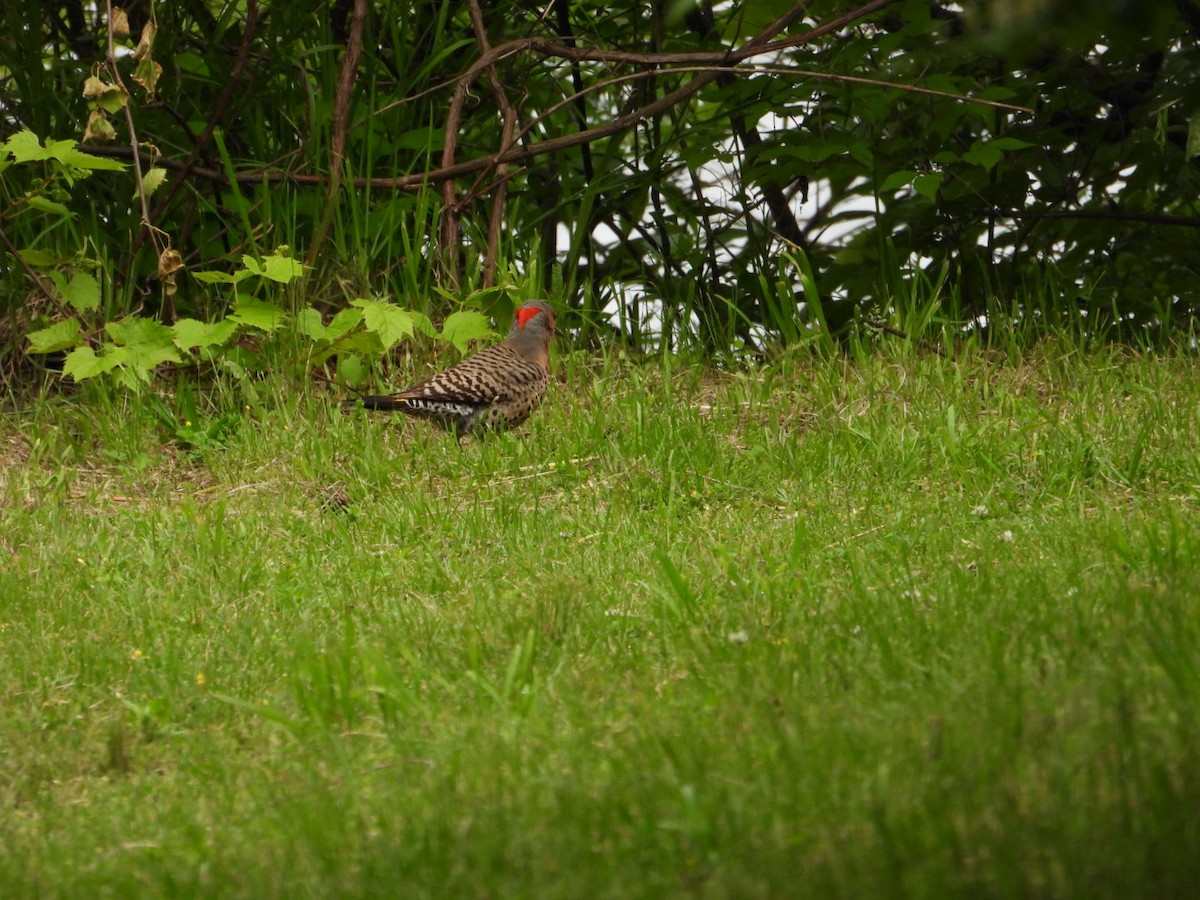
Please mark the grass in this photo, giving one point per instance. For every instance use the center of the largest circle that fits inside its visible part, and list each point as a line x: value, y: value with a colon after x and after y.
x: 900, y: 627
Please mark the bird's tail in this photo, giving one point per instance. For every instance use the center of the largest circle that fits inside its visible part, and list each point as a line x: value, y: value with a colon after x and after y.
x: 382, y: 402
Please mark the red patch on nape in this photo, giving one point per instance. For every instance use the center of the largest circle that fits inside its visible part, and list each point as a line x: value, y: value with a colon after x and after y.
x: 525, y: 314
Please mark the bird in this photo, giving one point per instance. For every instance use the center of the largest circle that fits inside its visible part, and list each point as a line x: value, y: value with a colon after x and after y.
x: 494, y: 389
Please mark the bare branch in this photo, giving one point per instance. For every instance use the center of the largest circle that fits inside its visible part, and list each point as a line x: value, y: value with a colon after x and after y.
x: 341, y: 120
x: 1111, y: 215
x: 171, y: 189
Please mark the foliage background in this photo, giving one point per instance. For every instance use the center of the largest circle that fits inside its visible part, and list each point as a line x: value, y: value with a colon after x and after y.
x: 633, y: 159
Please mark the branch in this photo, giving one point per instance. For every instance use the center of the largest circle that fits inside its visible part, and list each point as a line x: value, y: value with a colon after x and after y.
x: 345, y: 90
x: 46, y: 290
x: 509, y: 117
x: 488, y: 59
x: 341, y: 120
x: 451, y: 170
x: 214, y: 117
x: 1113, y: 215
x: 757, y: 46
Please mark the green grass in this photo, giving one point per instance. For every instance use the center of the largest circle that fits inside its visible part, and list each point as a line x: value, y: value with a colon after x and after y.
x: 905, y: 627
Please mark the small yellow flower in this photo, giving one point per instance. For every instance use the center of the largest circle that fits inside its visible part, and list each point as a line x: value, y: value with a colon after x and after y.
x: 137, y: 654
x: 200, y: 679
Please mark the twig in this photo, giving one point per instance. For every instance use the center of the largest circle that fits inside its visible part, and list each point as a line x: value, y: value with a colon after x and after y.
x: 449, y: 234
x: 341, y: 120
x: 37, y: 279
x: 885, y: 328
x: 214, y: 118
x: 509, y: 117
x: 514, y: 478
x: 527, y: 152
x: 853, y: 537
x: 111, y: 63
x: 573, y: 461
x: 534, y: 472
x: 711, y: 66
x: 1114, y: 215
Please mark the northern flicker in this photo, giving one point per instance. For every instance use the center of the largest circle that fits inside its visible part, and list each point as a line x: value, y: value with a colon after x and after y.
x: 498, y: 387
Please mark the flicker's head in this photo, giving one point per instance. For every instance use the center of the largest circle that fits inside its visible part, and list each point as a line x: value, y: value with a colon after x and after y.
x: 532, y: 328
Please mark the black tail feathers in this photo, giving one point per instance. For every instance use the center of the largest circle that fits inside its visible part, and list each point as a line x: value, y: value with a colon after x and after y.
x: 385, y: 402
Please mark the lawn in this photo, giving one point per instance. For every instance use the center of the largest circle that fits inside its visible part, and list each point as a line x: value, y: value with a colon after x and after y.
x: 895, y: 626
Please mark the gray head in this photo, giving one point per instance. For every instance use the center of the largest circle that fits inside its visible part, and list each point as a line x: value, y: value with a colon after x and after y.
x: 532, y: 328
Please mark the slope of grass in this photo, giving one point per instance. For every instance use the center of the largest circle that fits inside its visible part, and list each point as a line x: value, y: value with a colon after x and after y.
x: 906, y: 627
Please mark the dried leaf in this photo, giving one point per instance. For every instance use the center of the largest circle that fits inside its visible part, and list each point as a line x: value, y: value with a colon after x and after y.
x: 98, y: 128
x: 120, y: 22
x: 169, y: 261
x: 147, y: 74
x: 146, y: 43
x: 109, y: 97
x: 94, y: 87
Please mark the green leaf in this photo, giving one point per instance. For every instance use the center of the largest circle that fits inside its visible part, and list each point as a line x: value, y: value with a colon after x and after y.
x: 25, y: 147
x: 192, y: 63
x: 981, y: 154
x: 391, y: 323
x: 1009, y: 143
x: 128, y: 378
x: 1193, y: 138
x: 462, y: 327
x: 309, y: 323
x: 251, y: 265
x: 82, y: 292
x: 988, y: 153
x: 214, y: 277
x: 422, y: 323
x: 189, y: 333
x: 82, y: 362
x: 139, y: 330
x: 927, y: 185
x: 70, y: 156
x: 351, y: 369
x: 257, y: 314
x: 860, y: 151
x: 364, y: 343
x: 39, y: 202
x: 344, y: 322
x: 34, y: 257
x: 233, y: 367
x: 152, y: 181
x: 283, y: 269
x: 898, y: 180
x: 148, y: 344
x: 58, y: 336
x: 814, y: 150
